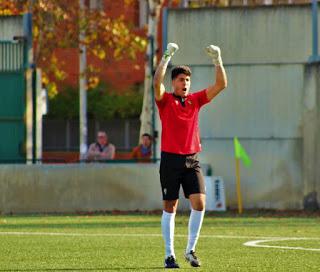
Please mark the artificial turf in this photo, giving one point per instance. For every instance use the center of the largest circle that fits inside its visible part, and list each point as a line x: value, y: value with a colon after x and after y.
x: 134, y: 243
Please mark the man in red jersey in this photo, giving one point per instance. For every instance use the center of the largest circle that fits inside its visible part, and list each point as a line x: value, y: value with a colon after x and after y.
x: 180, y: 144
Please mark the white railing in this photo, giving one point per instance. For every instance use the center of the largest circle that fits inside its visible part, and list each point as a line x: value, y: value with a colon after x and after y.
x: 226, y: 3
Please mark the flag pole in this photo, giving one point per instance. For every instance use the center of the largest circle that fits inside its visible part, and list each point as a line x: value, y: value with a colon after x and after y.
x: 238, y: 186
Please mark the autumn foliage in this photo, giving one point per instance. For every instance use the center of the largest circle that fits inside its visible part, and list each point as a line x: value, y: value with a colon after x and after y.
x: 56, y: 25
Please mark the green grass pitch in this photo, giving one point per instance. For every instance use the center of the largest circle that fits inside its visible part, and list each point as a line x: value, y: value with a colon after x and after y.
x: 134, y: 243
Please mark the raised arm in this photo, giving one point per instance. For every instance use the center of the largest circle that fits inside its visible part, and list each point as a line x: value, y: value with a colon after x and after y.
x: 221, y: 78
x: 158, y: 86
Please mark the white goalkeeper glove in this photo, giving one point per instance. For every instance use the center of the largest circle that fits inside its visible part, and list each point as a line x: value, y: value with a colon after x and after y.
x: 215, y: 53
x: 171, y: 49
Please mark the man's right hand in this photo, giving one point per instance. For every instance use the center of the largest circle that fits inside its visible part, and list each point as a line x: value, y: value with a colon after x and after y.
x: 171, y: 49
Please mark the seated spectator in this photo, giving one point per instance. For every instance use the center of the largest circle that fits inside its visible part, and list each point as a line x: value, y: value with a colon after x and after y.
x: 102, y: 149
x: 143, y: 151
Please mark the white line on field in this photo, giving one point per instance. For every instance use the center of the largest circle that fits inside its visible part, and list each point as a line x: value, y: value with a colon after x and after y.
x: 79, y: 234
x: 258, y: 242
x: 152, y: 235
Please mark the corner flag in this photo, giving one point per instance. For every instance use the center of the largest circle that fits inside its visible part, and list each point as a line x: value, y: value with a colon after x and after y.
x: 240, y: 152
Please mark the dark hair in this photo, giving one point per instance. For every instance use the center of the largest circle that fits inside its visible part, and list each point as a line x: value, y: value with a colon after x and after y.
x: 147, y: 135
x: 183, y: 69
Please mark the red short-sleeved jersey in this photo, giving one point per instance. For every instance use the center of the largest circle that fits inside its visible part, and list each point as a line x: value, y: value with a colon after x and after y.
x: 180, y: 122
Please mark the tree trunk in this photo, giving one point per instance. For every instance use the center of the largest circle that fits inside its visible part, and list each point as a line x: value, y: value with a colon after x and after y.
x: 83, y: 133
x: 146, y: 114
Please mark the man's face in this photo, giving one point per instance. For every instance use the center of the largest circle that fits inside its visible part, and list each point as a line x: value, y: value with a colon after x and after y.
x: 102, y: 138
x: 181, y: 85
x: 146, y: 141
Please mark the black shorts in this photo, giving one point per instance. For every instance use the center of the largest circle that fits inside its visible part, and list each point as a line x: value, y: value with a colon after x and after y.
x: 176, y: 170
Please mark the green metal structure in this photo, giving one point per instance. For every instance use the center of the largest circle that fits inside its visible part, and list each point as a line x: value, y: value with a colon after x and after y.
x: 13, y: 101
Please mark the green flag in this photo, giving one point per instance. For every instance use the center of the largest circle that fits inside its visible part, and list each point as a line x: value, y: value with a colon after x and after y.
x: 241, y: 153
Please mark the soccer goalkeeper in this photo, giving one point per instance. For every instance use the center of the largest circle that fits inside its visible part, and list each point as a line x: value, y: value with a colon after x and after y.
x: 180, y: 144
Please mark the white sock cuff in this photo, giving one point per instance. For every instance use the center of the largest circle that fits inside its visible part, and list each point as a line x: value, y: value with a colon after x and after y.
x: 168, y: 214
x: 197, y: 212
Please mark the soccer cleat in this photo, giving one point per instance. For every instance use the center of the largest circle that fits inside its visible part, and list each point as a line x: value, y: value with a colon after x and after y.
x: 192, y: 258
x: 171, y: 262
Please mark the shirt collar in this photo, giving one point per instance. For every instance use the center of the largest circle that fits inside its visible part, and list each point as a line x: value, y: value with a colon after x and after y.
x: 181, y: 99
